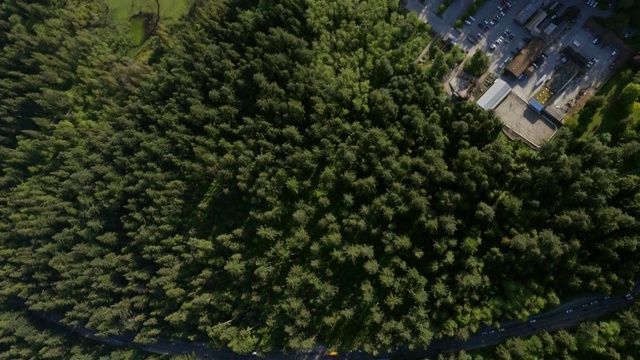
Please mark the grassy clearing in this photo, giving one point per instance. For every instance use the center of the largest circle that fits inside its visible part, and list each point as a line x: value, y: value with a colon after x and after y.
x: 134, y: 11
x: 603, y: 113
x: 169, y: 9
x: 137, y: 29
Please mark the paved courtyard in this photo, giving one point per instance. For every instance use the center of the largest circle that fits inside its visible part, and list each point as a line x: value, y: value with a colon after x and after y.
x: 522, y: 119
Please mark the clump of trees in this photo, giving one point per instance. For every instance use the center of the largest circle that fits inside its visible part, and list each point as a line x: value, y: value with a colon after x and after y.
x: 477, y: 64
x: 281, y: 175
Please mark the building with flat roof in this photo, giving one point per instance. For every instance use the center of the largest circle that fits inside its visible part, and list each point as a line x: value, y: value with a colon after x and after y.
x: 524, y: 15
x: 528, y: 53
x: 494, y: 96
x: 538, y: 18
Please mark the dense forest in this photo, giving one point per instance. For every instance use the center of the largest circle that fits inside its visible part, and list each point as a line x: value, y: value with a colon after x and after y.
x: 282, y: 173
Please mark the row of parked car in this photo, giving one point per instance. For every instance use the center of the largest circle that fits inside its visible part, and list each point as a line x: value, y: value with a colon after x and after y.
x: 506, y: 36
x: 539, y: 61
x: 488, y: 24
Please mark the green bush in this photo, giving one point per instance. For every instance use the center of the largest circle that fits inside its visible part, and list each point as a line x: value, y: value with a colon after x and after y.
x: 443, y: 7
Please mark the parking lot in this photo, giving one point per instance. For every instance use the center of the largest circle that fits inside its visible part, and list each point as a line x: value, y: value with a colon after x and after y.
x: 477, y: 35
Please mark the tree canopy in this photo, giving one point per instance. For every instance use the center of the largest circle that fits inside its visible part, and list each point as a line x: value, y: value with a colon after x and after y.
x: 280, y: 174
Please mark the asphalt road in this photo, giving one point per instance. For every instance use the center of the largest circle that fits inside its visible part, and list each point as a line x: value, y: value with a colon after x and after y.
x: 570, y: 313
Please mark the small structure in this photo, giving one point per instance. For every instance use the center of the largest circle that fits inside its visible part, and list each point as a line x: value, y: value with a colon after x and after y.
x: 538, y: 18
x: 524, y: 15
x: 535, y: 104
x: 550, y: 28
x: 494, y: 96
x: 528, y: 53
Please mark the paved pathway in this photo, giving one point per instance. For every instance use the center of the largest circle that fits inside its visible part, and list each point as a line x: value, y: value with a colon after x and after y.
x: 570, y: 313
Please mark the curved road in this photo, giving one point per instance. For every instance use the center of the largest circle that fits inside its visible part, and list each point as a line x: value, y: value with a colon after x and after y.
x: 568, y: 314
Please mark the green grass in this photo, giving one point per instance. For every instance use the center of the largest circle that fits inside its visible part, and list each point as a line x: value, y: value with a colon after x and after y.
x: 602, y: 114
x: 127, y: 11
x: 137, y: 30
x: 169, y: 9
